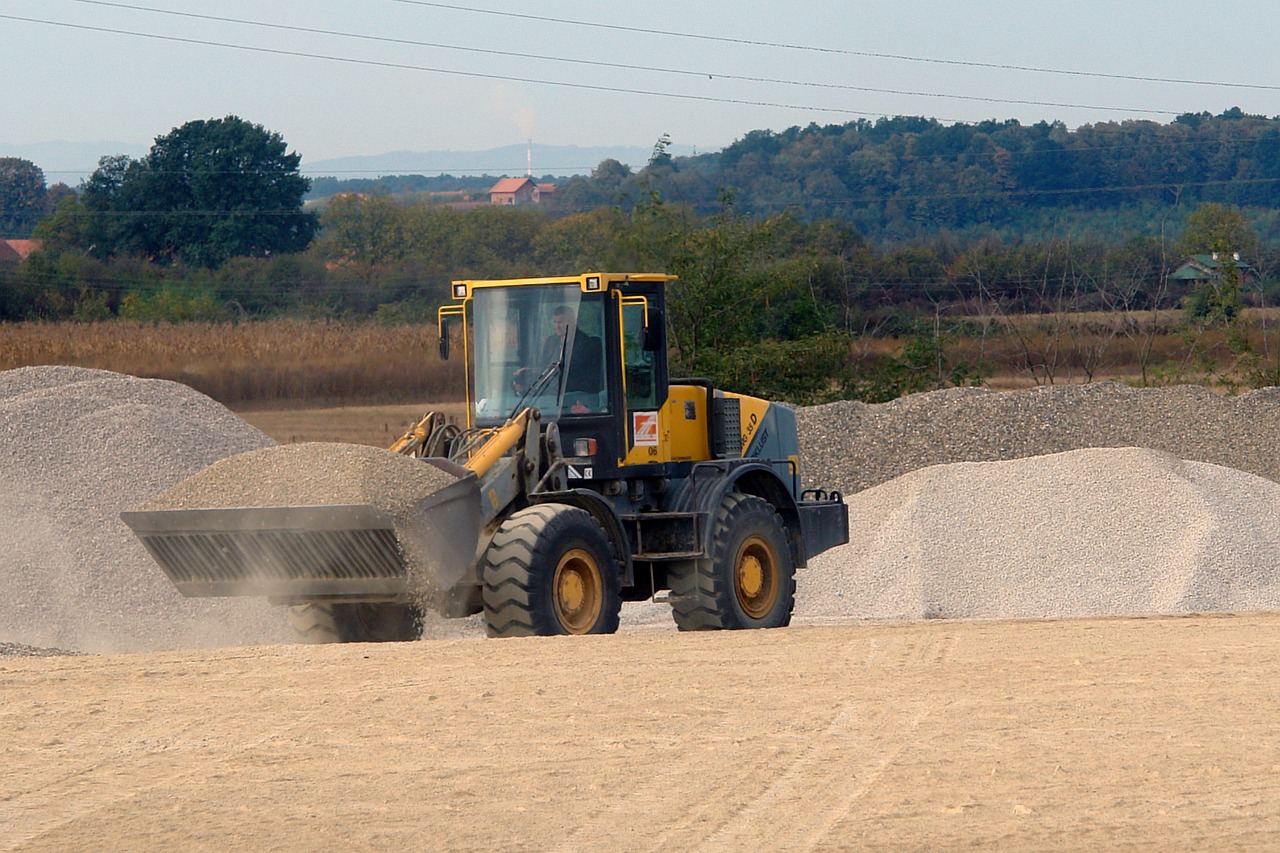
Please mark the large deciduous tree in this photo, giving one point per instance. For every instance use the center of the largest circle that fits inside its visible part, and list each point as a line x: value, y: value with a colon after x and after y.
x: 207, y: 191
x: 22, y: 197
x: 1219, y: 228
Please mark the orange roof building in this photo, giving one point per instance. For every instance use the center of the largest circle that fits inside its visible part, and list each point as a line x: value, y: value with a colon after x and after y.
x: 17, y: 250
x: 514, y: 191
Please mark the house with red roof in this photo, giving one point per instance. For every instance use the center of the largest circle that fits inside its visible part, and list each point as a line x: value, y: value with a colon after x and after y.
x: 514, y: 191
x: 17, y: 250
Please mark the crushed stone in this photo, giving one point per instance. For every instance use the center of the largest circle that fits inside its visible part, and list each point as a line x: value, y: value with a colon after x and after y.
x: 1084, y: 533
x: 321, y: 474
x: 851, y: 446
x: 77, y: 446
x: 965, y: 503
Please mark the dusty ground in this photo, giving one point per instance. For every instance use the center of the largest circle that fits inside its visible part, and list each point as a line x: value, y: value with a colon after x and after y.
x: 1151, y: 734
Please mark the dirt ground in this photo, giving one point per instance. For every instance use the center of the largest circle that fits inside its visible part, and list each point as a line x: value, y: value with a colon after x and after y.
x: 1154, y: 734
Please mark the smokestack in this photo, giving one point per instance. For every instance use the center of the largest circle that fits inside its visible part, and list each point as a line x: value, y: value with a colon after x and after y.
x: 529, y: 166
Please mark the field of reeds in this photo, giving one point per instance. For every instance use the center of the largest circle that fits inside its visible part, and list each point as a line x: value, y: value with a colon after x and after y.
x: 290, y: 364
x: 1142, y: 348
x: 272, y: 364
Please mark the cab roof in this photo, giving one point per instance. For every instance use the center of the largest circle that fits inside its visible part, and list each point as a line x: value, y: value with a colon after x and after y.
x: 590, y: 282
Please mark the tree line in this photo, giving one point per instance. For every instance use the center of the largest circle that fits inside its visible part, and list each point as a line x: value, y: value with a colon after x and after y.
x: 780, y: 301
x: 906, y: 178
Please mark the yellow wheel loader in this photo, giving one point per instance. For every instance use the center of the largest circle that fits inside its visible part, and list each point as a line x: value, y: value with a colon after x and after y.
x: 585, y: 476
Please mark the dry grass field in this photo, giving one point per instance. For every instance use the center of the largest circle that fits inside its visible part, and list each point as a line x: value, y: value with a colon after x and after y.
x: 284, y: 364
x: 272, y: 364
x: 377, y: 426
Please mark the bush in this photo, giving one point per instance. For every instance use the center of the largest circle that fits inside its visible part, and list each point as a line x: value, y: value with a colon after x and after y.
x: 171, y: 304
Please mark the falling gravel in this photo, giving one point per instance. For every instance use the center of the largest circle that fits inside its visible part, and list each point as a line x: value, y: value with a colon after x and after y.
x: 78, y: 447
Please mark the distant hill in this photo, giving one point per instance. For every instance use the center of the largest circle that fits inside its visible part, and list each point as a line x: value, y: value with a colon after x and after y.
x: 559, y: 160
x: 72, y: 162
x: 908, y: 178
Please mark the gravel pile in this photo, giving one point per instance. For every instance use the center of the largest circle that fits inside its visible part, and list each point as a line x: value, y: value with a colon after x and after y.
x: 852, y: 446
x: 320, y: 474
x: 1083, y: 533
x: 78, y: 446
x: 1057, y: 501
x: 307, y: 474
x: 965, y: 503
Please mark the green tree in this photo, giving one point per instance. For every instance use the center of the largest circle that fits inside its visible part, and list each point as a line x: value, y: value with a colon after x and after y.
x: 1218, y: 228
x: 207, y: 191
x: 22, y: 197
x: 660, y: 155
x: 365, y: 233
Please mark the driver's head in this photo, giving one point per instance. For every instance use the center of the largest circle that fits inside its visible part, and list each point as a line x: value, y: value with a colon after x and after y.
x: 562, y: 319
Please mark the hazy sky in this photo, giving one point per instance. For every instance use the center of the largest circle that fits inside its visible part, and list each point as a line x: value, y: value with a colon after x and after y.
x: 378, y: 93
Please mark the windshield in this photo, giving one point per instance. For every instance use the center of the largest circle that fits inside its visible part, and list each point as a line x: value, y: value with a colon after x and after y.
x: 541, y: 344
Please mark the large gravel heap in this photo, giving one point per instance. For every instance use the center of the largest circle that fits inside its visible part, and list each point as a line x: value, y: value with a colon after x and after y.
x: 852, y: 446
x: 1115, y: 531
x: 1057, y: 501
x: 78, y: 446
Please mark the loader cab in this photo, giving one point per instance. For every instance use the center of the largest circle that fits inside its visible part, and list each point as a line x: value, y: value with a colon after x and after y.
x: 587, y: 352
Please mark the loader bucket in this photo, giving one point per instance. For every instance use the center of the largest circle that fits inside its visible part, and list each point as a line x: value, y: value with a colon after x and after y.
x: 325, y: 551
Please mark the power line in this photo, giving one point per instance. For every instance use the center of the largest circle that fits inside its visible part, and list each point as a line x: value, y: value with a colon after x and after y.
x: 400, y: 66
x: 710, y: 75
x: 840, y: 51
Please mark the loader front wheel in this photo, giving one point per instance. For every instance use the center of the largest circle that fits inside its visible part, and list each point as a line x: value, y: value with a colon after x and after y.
x: 551, y: 569
x: 749, y: 581
x: 362, y: 622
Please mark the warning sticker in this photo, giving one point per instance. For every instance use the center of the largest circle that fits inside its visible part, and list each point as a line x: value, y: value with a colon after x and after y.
x: 645, y: 427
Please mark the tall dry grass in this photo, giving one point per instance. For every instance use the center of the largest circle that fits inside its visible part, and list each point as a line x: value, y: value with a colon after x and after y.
x: 309, y: 363
x: 1141, y: 348
x: 270, y: 364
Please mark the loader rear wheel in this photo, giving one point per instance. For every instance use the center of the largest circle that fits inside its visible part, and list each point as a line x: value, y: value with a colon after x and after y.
x: 749, y: 581
x: 551, y: 569
x: 362, y: 622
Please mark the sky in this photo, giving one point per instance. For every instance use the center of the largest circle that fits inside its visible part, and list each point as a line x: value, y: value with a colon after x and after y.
x: 339, y: 79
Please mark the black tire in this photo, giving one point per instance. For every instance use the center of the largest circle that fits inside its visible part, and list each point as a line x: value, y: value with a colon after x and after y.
x: 551, y: 569
x: 365, y: 622
x: 749, y: 580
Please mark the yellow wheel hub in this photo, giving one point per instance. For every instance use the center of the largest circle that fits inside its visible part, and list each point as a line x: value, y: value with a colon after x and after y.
x: 579, y: 591
x: 756, y: 578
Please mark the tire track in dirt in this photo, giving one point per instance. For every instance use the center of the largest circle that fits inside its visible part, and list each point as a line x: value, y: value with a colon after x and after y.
x: 86, y: 789
x: 824, y: 783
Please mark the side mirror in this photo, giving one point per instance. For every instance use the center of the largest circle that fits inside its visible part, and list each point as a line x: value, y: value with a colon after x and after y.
x: 444, y: 341
x: 655, y: 334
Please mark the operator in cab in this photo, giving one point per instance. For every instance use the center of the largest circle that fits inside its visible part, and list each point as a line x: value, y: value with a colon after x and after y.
x: 582, y: 351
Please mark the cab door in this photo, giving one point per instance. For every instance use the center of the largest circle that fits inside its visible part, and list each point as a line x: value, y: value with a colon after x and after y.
x: 643, y: 356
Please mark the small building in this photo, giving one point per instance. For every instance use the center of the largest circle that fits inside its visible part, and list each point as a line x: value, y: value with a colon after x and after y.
x: 514, y: 191
x: 1198, y: 268
x: 17, y: 250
